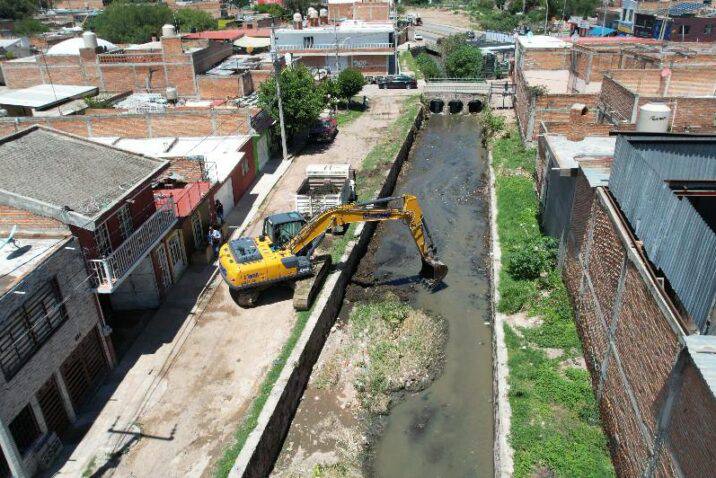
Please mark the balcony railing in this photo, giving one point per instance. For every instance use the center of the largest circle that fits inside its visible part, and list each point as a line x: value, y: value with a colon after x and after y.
x: 332, y: 47
x: 110, y: 271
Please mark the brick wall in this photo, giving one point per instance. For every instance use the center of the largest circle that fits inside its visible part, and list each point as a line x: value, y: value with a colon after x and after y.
x: 616, y: 101
x: 582, y: 129
x: 214, y: 87
x: 545, y: 59
x: 191, y: 170
x: 696, y: 115
x: 68, y: 267
x: 178, y: 122
x: 633, y: 349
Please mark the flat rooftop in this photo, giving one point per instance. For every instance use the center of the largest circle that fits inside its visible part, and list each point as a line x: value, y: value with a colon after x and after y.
x: 354, y: 26
x: 556, y: 81
x: 17, y: 262
x: 80, y: 179
x: 45, y: 96
x: 568, y: 154
x: 542, y: 41
x: 221, y: 151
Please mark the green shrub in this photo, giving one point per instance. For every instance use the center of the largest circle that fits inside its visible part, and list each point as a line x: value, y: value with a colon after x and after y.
x: 530, y: 260
x: 350, y: 82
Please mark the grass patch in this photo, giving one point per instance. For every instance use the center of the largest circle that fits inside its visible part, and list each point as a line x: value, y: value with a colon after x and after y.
x: 345, y: 117
x: 555, y: 429
x: 381, y: 156
x: 377, y: 158
x: 407, y: 62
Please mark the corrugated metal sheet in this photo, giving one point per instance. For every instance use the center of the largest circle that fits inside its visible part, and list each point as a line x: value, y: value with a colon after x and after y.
x: 676, y: 238
x: 702, y: 349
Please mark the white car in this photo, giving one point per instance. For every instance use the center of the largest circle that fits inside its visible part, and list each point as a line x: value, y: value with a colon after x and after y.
x: 418, y: 37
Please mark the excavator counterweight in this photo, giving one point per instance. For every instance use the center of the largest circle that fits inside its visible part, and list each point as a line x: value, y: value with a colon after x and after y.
x: 284, y: 252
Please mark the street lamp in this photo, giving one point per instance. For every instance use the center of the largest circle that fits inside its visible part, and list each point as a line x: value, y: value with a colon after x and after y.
x: 277, y: 70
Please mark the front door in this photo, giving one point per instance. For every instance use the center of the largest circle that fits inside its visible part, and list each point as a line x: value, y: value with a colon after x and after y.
x: 176, y: 255
x: 165, y: 274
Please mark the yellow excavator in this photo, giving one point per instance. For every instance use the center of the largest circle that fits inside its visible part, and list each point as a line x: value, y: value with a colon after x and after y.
x: 284, y: 250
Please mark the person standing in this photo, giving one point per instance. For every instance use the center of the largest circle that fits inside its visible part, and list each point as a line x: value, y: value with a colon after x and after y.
x: 214, y: 239
x: 219, y: 208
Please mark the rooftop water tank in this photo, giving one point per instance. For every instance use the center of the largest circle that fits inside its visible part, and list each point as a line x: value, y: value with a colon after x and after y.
x: 168, y: 30
x: 172, y: 94
x: 653, y: 118
x: 323, y: 12
x: 297, y: 17
x: 312, y: 13
x: 90, y: 40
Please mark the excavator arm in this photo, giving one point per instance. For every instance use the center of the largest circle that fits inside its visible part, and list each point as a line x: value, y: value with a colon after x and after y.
x: 375, y: 211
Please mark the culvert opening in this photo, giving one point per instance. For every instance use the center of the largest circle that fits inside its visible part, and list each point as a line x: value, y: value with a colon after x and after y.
x: 455, y: 106
x: 437, y: 106
x: 475, y: 106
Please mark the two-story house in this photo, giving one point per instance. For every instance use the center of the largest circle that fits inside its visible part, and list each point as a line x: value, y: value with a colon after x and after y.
x: 57, y: 182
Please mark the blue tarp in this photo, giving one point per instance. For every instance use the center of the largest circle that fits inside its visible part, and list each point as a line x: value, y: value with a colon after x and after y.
x: 600, y: 32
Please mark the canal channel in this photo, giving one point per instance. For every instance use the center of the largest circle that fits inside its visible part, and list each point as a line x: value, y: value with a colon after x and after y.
x: 445, y: 430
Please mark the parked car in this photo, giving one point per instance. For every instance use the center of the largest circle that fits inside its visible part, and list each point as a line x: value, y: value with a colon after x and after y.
x: 324, y: 130
x: 398, y: 82
x: 418, y: 37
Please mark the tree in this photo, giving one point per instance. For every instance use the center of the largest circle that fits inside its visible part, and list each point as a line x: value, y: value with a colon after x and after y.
x: 330, y: 90
x: 131, y: 22
x: 28, y: 27
x: 350, y: 82
x: 302, y: 101
x: 17, y: 9
x: 451, y: 43
x: 464, y: 62
x: 190, y: 20
x: 428, y: 66
x: 273, y: 9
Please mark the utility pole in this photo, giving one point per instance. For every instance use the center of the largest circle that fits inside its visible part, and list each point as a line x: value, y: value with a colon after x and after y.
x: 546, y: 16
x: 277, y: 69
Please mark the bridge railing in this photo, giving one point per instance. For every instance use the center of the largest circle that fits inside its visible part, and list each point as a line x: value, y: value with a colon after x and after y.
x: 455, y: 80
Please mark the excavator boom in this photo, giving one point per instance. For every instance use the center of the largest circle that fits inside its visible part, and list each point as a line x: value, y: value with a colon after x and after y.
x: 409, y: 213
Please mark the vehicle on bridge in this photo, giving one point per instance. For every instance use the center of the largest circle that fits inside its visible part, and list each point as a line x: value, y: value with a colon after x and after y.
x: 398, y: 82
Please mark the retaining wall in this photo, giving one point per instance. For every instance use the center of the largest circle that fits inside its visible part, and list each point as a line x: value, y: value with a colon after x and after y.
x: 265, y: 442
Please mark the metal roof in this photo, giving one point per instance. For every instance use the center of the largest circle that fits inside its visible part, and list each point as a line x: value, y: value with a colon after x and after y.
x: 702, y: 349
x: 45, y: 96
x: 676, y: 238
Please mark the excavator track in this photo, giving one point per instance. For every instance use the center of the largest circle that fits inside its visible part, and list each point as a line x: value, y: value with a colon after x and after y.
x: 305, y: 290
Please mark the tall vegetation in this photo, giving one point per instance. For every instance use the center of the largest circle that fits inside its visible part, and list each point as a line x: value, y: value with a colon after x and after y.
x: 428, y: 66
x: 350, y: 82
x: 190, y: 20
x: 302, y: 100
x: 17, y: 9
x: 123, y: 22
x: 464, y: 62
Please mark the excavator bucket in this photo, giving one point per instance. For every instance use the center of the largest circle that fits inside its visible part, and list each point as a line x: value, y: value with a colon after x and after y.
x: 433, y: 269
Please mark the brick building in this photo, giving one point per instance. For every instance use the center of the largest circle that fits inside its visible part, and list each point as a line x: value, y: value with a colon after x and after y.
x: 104, y: 197
x: 638, y: 262
x: 152, y: 67
x: 689, y: 93
x: 369, y: 11
x: 54, y: 348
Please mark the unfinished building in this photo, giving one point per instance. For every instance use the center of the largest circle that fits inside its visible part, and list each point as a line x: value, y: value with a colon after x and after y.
x: 638, y: 263
x: 689, y: 93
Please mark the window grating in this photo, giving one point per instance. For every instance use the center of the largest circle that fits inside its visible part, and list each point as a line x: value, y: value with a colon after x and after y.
x: 29, y: 326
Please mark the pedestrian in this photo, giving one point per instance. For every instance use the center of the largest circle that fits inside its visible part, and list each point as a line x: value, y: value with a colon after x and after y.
x: 219, y: 211
x: 214, y: 239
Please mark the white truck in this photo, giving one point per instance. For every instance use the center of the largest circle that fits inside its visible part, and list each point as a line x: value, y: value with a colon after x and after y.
x: 325, y: 186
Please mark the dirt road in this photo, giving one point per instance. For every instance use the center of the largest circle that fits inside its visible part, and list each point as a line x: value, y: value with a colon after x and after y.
x: 195, y: 370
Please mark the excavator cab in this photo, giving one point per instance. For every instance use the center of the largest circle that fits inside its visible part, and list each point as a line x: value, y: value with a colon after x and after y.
x: 281, y: 228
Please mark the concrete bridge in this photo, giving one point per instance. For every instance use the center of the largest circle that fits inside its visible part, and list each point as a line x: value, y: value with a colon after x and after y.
x: 457, y: 96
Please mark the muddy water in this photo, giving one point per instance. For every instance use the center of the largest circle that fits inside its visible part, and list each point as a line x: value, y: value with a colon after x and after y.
x: 446, y: 430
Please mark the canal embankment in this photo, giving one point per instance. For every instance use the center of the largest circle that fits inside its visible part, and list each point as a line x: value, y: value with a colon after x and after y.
x: 260, y: 440
x: 550, y: 425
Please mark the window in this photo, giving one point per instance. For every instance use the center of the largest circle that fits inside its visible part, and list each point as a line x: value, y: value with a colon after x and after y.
x: 126, y: 227
x: 685, y: 29
x: 197, y: 229
x: 307, y: 42
x: 24, y: 429
x: 29, y: 326
x: 101, y: 238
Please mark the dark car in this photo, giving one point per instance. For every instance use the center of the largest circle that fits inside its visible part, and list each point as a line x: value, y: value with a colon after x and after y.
x: 324, y: 130
x: 399, y: 81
